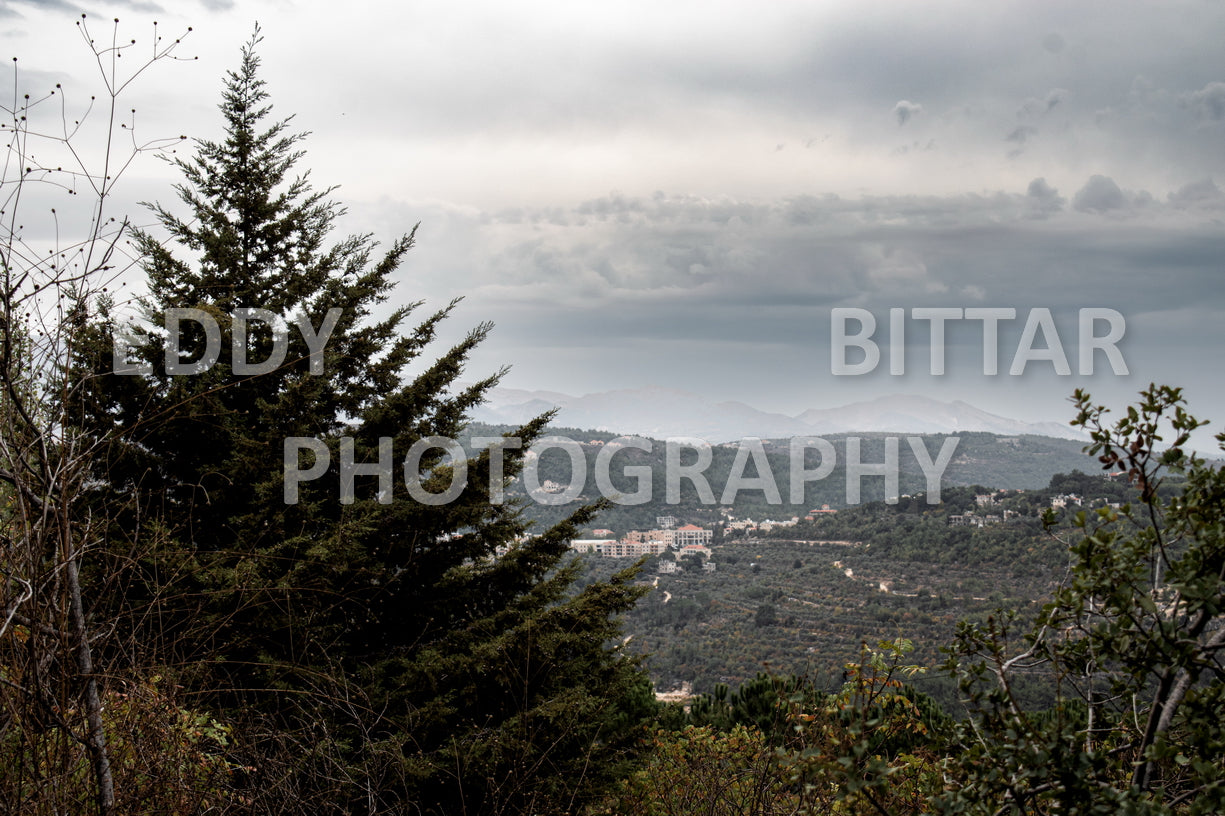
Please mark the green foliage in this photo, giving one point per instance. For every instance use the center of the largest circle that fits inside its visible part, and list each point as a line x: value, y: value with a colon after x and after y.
x: 1133, y: 638
x: 166, y: 759
x: 766, y: 615
x: 702, y: 771
x: 778, y: 745
x: 761, y: 703
x: 869, y: 748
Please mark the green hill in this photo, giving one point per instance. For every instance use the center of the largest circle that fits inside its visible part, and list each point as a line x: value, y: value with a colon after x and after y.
x: 1019, y: 462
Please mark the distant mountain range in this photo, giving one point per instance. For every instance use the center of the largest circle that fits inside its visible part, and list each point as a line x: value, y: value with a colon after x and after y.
x: 664, y: 412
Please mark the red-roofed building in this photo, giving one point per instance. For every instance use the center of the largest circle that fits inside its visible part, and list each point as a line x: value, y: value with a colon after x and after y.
x: 825, y: 510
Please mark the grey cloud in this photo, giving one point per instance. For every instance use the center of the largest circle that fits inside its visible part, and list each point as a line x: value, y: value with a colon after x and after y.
x: 657, y: 254
x: 905, y: 110
x: 718, y: 285
x: 7, y: 7
x: 1202, y: 193
x: 1208, y: 102
x: 818, y: 71
x: 1033, y: 108
x: 649, y: 272
x: 1021, y: 134
x: 1100, y: 194
x: 1040, y: 190
x: 1043, y: 199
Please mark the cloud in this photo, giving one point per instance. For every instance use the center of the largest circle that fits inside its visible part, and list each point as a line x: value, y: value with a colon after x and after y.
x: 638, y: 289
x: 1208, y: 102
x: 1034, y: 108
x: 1204, y: 194
x: 1043, y: 199
x: 1021, y: 134
x: 7, y: 6
x: 899, y: 271
x: 1099, y: 195
x: 905, y: 111
x: 652, y: 255
x: 569, y: 103
x: 1055, y: 97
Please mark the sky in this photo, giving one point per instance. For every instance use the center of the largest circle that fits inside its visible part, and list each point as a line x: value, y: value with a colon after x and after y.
x: 679, y: 194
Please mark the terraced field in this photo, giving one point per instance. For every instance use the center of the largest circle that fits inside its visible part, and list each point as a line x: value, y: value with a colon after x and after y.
x: 796, y: 607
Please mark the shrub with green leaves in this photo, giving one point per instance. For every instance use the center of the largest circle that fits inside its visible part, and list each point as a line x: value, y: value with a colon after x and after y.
x: 1133, y: 637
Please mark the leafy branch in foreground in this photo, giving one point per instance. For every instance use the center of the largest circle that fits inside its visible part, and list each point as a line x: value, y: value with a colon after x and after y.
x: 1133, y: 638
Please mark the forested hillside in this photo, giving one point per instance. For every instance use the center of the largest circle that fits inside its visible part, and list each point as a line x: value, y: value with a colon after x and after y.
x: 1025, y: 462
x: 796, y: 603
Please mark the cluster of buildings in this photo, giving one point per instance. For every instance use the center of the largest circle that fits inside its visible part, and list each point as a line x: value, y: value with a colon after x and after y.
x: 734, y: 525
x: 1068, y: 499
x: 981, y: 501
x: 674, y: 536
x: 971, y: 520
x: 988, y: 501
x: 687, y: 539
x: 637, y: 543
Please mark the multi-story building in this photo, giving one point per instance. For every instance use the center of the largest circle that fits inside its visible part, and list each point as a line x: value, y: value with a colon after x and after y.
x: 609, y: 548
x: 691, y: 534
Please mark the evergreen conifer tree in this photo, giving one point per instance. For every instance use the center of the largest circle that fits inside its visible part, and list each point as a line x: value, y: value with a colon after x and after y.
x: 391, y: 659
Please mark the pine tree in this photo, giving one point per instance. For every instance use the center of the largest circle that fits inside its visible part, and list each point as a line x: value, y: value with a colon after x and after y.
x: 393, y: 660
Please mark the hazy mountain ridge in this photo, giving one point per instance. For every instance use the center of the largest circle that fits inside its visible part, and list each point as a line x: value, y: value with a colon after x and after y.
x: 662, y: 412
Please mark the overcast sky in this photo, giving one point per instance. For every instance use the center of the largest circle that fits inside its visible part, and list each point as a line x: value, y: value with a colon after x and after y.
x: 679, y: 193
